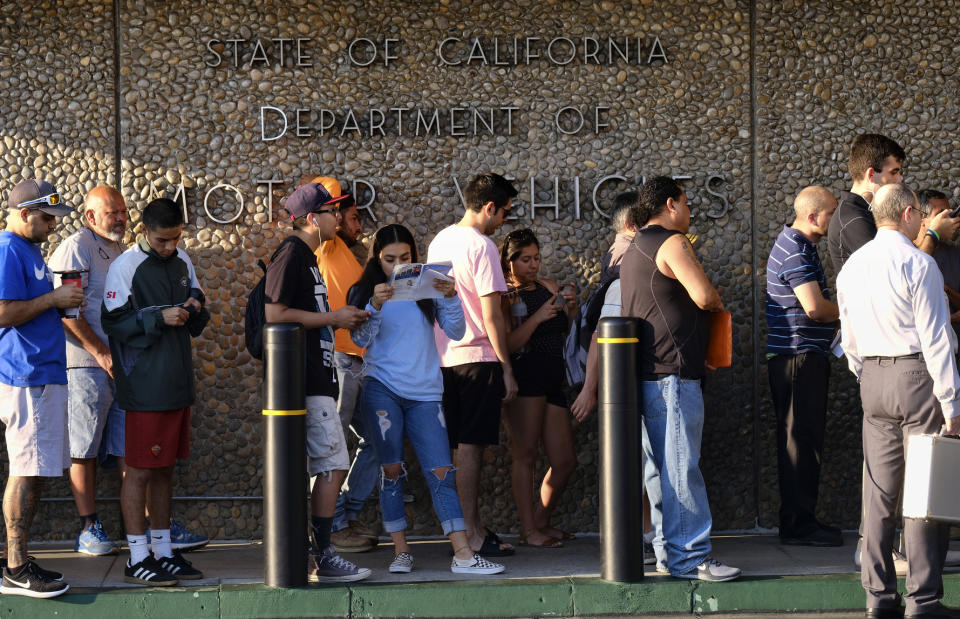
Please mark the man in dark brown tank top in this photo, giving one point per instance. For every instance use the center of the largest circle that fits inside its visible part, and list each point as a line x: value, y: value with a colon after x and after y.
x: 665, y: 288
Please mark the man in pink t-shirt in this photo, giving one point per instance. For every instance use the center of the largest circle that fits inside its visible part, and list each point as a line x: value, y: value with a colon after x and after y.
x: 477, y: 377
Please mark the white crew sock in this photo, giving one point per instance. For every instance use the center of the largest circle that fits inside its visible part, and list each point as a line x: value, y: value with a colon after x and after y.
x: 463, y: 562
x: 138, y: 548
x: 160, y: 542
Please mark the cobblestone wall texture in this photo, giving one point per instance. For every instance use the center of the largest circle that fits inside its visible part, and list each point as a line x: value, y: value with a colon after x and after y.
x: 824, y: 72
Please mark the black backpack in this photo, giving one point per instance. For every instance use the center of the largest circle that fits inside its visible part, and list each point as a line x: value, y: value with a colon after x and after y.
x: 256, y: 316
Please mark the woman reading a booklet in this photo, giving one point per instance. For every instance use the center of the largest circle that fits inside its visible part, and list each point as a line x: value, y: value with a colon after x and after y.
x: 540, y: 312
x: 402, y: 391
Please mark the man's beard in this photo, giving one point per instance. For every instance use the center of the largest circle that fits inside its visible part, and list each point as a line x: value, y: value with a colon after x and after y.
x: 116, y: 236
x: 347, y: 239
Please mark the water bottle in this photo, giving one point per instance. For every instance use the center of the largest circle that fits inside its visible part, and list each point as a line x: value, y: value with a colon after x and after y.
x: 518, y: 313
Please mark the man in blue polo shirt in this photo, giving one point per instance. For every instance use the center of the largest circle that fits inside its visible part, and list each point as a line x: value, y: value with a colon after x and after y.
x: 801, y: 322
x: 33, y: 377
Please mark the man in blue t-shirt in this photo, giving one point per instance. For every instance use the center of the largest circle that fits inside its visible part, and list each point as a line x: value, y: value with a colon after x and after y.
x: 801, y: 322
x: 33, y: 377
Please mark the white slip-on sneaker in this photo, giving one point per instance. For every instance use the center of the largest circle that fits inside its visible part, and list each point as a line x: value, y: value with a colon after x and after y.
x: 475, y: 565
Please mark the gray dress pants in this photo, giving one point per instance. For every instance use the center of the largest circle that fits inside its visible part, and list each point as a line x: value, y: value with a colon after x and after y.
x: 898, y: 401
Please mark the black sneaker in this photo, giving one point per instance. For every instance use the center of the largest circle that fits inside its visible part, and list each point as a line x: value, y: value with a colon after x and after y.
x: 28, y: 580
x: 48, y: 573
x: 180, y: 567
x: 813, y: 537
x: 148, y: 572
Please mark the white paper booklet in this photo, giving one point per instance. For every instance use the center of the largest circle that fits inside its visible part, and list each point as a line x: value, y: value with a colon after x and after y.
x: 412, y: 282
x: 836, y: 346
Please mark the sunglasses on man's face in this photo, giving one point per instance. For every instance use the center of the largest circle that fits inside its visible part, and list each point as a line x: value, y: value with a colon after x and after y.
x: 52, y: 200
x: 332, y: 211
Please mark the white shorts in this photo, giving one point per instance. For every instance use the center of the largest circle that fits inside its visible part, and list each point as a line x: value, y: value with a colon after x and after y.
x: 36, y: 420
x: 326, y: 445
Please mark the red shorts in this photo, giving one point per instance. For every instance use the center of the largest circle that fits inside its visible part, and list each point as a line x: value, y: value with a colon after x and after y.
x: 155, y: 439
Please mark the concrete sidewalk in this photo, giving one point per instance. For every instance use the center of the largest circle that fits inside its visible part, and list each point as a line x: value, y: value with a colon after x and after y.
x: 557, y: 582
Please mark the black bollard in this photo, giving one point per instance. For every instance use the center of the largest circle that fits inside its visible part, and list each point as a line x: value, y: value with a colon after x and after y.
x: 621, y: 513
x: 285, y: 456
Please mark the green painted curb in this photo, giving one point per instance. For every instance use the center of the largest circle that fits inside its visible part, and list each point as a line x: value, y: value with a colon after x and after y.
x: 481, y: 598
x: 592, y: 596
x: 475, y: 598
x: 261, y: 601
x: 168, y: 603
x: 780, y: 593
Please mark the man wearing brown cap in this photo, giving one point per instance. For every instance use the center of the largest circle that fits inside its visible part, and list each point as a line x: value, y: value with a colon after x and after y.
x: 296, y: 292
x: 340, y: 260
x: 33, y: 377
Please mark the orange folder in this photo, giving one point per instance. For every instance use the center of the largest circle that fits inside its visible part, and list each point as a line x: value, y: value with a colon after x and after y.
x: 720, y: 348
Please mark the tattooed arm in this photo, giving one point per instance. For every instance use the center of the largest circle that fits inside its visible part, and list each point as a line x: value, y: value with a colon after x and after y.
x: 676, y: 259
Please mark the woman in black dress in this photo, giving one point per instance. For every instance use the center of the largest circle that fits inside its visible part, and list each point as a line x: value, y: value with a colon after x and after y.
x: 539, y: 315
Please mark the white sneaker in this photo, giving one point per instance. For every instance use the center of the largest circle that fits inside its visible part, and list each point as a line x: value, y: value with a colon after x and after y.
x: 476, y: 565
x: 402, y: 563
x: 711, y: 570
x: 649, y: 556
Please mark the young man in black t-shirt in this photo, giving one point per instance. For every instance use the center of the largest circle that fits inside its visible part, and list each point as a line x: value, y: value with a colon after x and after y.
x: 295, y: 292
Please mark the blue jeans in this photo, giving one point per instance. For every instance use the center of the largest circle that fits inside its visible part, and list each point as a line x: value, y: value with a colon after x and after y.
x: 363, y: 474
x: 425, y: 426
x: 672, y: 430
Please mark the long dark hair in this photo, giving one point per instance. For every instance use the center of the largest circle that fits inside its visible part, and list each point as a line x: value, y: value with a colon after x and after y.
x: 361, y: 292
x: 513, y: 244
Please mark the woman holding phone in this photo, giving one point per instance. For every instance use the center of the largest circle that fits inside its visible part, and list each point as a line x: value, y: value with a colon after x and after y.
x: 402, y: 391
x: 540, y: 313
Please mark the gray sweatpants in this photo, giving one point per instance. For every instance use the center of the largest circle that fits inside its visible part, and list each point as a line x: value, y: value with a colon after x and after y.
x: 898, y: 401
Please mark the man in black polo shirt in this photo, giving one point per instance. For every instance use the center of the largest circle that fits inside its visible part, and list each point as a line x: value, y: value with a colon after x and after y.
x: 875, y: 160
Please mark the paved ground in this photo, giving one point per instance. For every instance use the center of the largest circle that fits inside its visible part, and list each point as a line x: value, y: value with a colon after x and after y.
x: 538, y: 582
x: 242, y: 562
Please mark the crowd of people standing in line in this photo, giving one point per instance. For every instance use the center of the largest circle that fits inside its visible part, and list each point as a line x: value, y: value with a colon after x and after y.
x: 897, y: 277
x: 440, y: 371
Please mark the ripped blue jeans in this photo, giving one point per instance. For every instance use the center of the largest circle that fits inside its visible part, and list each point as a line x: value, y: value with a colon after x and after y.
x: 388, y: 417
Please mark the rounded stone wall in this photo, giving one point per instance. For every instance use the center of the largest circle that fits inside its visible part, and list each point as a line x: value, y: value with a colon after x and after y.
x: 747, y: 102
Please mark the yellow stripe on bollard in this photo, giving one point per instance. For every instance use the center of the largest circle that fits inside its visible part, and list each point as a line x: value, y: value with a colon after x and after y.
x: 285, y: 413
x: 617, y: 340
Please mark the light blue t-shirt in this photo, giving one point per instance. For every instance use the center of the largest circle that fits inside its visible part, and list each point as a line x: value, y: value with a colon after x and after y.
x: 401, y: 350
x: 34, y: 353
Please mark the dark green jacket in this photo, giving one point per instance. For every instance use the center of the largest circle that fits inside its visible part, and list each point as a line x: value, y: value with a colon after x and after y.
x: 152, y: 362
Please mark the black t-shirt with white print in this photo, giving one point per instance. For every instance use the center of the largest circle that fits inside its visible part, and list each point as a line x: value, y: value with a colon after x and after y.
x: 294, y: 280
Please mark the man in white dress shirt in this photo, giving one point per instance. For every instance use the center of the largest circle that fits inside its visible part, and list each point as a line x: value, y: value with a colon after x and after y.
x: 895, y: 327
